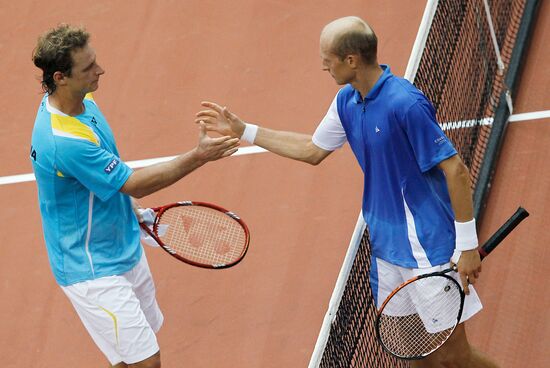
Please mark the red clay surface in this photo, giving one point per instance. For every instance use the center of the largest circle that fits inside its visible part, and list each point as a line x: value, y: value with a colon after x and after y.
x: 260, y: 59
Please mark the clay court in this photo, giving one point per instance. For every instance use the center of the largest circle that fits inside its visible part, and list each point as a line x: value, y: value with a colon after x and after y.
x: 261, y: 59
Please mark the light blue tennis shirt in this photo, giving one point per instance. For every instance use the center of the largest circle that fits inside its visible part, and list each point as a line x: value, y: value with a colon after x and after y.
x: 398, y: 143
x: 89, y: 226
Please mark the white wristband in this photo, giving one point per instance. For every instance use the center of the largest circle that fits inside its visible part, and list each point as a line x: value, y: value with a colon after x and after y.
x: 466, y: 235
x: 249, y: 134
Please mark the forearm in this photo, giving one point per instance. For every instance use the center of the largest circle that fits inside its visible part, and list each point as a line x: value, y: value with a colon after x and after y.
x: 465, y: 256
x: 292, y: 145
x: 153, y: 178
x: 287, y: 144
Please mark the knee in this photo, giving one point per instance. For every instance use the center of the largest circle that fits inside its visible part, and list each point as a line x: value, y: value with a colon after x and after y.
x: 459, y: 358
x: 456, y: 352
x: 151, y: 362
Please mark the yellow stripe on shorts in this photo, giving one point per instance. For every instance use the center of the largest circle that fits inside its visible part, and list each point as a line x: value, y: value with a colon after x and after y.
x: 115, y: 320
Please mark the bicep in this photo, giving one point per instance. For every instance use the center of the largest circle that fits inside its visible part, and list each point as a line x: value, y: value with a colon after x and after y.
x: 317, y: 154
x: 130, y: 186
x: 458, y: 181
x: 452, y: 166
x: 97, y: 169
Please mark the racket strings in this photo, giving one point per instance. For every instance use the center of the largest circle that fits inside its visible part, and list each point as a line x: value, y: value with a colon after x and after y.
x: 203, y: 235
x: 420, y: 317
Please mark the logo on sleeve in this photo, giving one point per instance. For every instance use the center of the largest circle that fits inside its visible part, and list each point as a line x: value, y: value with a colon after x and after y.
x: 111, y: 166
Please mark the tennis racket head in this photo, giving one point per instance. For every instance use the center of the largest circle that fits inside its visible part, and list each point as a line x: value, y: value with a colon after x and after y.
x: 420, y: 315
x: 201, y: 234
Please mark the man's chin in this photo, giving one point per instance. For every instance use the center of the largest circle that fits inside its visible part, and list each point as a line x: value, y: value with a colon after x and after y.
x: 93, y: 87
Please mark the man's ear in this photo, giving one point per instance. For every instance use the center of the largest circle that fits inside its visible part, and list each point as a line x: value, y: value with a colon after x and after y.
x: 59, y: 78
x: 352, y: 60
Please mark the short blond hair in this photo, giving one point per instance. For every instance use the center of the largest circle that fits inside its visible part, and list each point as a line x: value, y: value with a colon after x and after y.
x: 352, y: 35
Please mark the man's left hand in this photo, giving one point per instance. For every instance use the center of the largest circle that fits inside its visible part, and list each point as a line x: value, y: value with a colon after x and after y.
x: 469, y: 267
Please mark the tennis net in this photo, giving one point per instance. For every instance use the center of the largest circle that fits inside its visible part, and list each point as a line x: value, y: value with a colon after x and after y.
x: 465, y: 59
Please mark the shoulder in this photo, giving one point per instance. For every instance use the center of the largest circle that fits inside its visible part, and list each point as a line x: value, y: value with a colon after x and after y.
x: 42, y: 129
x: 344, y: 99
x: 405, y: 96
x: 345, y: 93
x: 90, y: 103
x: 70, y: 130
x: 403, y: 90
x: 89, y: 98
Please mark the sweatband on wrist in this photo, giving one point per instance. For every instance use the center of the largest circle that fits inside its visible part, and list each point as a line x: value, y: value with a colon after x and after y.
x: 466, y: 235
x: 456, y: 256
x: 249, y: 134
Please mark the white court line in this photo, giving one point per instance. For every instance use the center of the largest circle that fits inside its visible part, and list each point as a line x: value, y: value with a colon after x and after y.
x: 142, y: 163
x: 13, y: 179
x: 530, y: 116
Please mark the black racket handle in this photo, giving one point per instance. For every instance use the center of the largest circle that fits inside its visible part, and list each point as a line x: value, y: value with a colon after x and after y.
x: 520, y: 215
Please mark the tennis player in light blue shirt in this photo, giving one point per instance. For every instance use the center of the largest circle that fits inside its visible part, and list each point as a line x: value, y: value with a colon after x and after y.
x: 90, y: 227
x: 84, y: 193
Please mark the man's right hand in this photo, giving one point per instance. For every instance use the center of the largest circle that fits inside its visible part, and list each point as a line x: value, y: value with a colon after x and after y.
x: 211, y: 149
x: 220, y: 120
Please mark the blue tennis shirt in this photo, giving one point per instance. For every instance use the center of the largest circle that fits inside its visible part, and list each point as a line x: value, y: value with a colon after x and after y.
x: 90, y: 228
x: 395, y: 137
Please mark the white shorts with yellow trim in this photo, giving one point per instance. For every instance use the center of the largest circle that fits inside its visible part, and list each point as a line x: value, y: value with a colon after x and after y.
x: 121, y: 313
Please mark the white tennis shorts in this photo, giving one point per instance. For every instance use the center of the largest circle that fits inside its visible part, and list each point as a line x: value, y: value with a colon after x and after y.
x: 387, y: 277
x: 120, y: 313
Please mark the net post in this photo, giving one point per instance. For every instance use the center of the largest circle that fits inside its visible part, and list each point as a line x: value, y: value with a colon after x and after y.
x: 503, y: 112
x: 493, y: 36
x: 420, y: 41
x: 317, y: 354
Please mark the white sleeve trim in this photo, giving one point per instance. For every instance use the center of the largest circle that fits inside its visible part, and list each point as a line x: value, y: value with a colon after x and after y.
x: 330, y: 134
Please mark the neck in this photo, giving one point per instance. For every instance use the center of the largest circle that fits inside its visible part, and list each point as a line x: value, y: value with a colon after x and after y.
x: 367, y: 78
x: 66, y: 103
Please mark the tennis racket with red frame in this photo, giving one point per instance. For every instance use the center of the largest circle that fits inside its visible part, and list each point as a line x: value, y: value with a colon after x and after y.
x: 200, y: 234
x: 421, y: 314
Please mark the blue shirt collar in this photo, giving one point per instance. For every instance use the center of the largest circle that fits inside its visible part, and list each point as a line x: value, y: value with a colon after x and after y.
x: 375, y: 90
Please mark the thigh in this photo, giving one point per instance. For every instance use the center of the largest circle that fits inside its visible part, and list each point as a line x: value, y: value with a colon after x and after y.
x: 385, y: 277
x: 144, y: 287
x: 111, y: 312
x: 456, y: 352
x: 472, y: 302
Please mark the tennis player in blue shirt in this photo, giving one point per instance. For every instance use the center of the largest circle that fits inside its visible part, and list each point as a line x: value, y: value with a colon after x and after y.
x: 85, y: 194
x: 417, y: 200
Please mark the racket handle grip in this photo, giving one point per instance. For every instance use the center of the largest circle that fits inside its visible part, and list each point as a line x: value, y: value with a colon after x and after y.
x: 504, y: 230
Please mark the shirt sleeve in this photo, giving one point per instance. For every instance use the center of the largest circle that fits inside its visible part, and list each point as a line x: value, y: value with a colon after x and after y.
x: 429, y: 142
x: 99, y: 170
x: 330, y: 134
